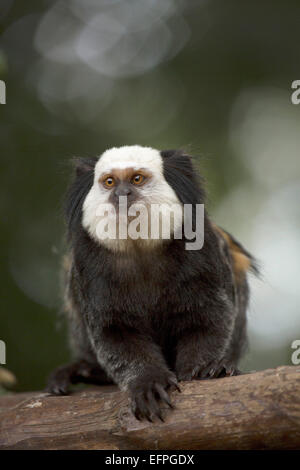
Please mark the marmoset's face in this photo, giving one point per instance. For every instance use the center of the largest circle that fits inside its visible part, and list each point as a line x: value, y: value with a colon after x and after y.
x: 134, y: 173
x: 128, y: 182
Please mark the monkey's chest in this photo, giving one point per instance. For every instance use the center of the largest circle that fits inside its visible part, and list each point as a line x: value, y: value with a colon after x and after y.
x: 154, y: 301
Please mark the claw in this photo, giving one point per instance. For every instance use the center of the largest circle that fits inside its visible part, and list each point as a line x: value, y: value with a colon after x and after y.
x: 175, y: 384
x: 163, y: 394
x: 153, y: 403
x: 147, y: 392
x: 217, y: 370
x: 203, y: 374
x: 57, y: 390
x: 148, y: 416
x: 140, y: 407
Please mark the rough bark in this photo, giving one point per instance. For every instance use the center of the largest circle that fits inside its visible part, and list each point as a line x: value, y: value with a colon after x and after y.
x: 254, y: 411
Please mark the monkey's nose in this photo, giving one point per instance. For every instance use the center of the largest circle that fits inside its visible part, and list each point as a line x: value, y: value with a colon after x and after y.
x: 123, y: 191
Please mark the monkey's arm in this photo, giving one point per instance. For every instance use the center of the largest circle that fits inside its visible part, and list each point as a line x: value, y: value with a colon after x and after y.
x: 200, y: 355
x: 201, y: 349
x: 136, y: 364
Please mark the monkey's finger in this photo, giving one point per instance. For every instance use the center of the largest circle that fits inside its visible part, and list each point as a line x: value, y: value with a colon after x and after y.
x: 205, y: 372
x: 212, y: 373
x: 227, y: 371
x: 173, y: 382
x: 148, y: 417
x: 155, y: 409
x: 57, y: 388
x: 163, y: 395
x: 219, y: 371
x: 136, y: 413
x: 62, y: 390
x: 231, y: 371
x: 140, y: 409
x: 224, y: 371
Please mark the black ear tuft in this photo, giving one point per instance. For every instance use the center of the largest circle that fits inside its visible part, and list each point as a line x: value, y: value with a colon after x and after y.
x: 77, y: 192
x: 84, y: 165
x: 181, y: 175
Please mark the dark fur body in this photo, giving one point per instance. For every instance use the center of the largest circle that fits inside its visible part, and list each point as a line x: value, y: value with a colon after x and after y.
x: 147, y: 317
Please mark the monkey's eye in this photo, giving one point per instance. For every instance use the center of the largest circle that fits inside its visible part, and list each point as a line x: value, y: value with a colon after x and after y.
x: 138, y: 179
x: 109, y: 182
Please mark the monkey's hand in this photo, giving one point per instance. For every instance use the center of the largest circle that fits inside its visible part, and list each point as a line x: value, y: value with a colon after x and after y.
x: 137, y: 365
x: 218, y: 369
x: 213, y: 370
x: 202, y: 354
x: 148, y: 390
x: 63, y: 377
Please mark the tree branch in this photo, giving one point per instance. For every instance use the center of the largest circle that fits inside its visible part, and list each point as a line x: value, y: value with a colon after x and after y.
x: 254, y: 411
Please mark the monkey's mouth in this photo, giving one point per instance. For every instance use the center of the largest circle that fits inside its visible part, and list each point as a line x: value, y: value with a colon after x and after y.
x: 128, y: 206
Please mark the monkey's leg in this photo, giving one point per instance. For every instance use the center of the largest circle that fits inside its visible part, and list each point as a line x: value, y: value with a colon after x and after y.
x: 228, y: 365
x: 63, y: 377
x: 205, y: 356
x: 136, y: 364
x: 200, y: 349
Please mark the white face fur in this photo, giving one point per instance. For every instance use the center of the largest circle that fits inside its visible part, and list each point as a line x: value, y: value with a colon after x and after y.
x: 155, y: 190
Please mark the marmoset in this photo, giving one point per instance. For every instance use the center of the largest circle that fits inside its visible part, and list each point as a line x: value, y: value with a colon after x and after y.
x: 147, y: 313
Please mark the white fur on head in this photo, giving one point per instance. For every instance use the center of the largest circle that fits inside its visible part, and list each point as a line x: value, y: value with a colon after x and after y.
x: 156, y: 191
